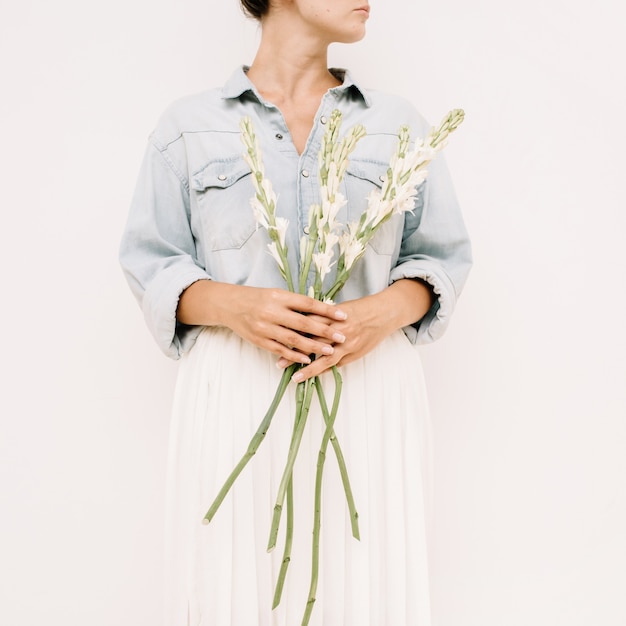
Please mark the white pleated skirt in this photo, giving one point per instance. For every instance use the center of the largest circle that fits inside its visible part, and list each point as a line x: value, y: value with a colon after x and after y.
x: 221, y: 574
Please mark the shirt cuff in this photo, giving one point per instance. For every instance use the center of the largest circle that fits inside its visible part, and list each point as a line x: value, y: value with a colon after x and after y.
x: 159, y: 308
x: 433, y: 325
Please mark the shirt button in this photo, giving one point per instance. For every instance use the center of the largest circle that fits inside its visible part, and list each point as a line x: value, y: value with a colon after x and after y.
x: 382, y: 178
x: 306, y: 230
x: 323, y: 119
x: 279, y: 136
x: 221, y: 177
x: 305, y: 173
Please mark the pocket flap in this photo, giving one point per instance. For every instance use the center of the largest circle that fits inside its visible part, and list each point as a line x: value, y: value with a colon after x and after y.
x: 222, y: 173
x: 373, y: 171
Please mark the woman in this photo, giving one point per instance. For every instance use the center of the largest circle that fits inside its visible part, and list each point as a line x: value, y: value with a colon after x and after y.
x: 212, y: 295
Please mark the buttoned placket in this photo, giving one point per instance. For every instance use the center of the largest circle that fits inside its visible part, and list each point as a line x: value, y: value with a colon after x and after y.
x: 308, y: 179
x: 307, y: 191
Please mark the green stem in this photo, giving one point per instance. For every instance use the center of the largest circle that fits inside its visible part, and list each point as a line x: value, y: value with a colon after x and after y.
x: 310, y: 249
x: 317, y: 515
x: 254, y: 444
x: 288, y: 278
x: 300, y: 389
x: 287, y: 551
x: 341, y: 462
x: 335, y: 289
x: 306, y: 265
x: 291, y: 458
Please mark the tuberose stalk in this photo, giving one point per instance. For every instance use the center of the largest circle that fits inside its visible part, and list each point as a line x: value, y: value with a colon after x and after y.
x: 254, y: 444
x: 317, y: 515
x: 341, y: 462
x: 287, y: 551
x: 291, y: 458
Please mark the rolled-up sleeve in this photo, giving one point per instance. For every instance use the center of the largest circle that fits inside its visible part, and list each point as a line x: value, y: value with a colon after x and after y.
x: 436, y: 249
x: 158, y: 251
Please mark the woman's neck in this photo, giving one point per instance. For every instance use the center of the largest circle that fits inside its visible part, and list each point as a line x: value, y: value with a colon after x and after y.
x: 289, y: 65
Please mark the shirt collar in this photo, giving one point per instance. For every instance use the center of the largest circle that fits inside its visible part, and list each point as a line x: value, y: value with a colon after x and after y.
x: 239, y: 83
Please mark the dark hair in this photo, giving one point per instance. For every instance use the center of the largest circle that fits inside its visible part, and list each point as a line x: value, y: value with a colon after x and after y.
x: 255, y: 8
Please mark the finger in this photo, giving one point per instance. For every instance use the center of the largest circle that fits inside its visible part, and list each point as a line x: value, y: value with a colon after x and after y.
x: 305, y: 304
x: 307, y: 325
x: 329, y: 311
x: 320, y: 319
x: 316, y: 368
x: 297, y: 342
x: 283, y: 363
x: 324, y: 340
x: 293, y: 356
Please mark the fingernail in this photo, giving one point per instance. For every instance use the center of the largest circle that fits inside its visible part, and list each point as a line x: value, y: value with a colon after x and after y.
x: 298, y: 377
x: 305, y: 360
x: 340, y: 315
x: 327, y: 350
x: 338, y: 337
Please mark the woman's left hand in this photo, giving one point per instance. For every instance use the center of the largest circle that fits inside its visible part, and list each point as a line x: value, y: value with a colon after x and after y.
x: 369, y: 321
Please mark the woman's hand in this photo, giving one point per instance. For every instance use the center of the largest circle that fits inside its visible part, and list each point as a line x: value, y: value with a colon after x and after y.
x: 364, y: 329
x: 369, y: 321
x: 290, y: 325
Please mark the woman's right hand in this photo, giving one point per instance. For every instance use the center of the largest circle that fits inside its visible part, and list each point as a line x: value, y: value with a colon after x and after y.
x: 273, y: 319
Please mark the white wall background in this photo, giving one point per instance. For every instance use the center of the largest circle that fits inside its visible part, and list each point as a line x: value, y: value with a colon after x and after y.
x: 528, y: 388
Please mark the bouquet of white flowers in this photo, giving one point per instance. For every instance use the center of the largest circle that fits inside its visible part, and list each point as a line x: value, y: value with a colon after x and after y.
x: 327, y: 242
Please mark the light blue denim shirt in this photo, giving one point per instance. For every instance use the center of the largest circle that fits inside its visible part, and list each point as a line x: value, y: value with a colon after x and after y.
x: 191, y: 219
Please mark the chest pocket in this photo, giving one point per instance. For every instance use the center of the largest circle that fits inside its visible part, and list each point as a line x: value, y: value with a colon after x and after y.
x: 362, y: 177
x: 222, y: 192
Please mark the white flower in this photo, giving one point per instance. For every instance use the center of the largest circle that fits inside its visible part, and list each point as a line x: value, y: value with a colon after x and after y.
x: 315, y: 210
x: 350, y: 246
x: 405, y: 198
x: 404, y: 204
x: 304, y: 241
x: 311, y: 292
x: 377, y: 208
x: 330, y: 210
x: 322, y: 261
x: 418, y: 177
x: 274, y: 252
x: 332, y: 184
x: 329, y: 240
x: 281, y: 229
x: 420, y: 156
x: 270, y: 196
x: 259, y: 211
x: 398, y: 166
